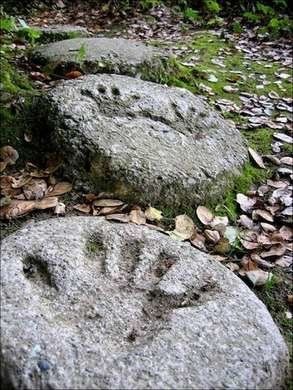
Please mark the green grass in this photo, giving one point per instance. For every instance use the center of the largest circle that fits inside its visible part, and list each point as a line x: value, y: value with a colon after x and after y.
x: 260, y: 139
x: 241, y: 184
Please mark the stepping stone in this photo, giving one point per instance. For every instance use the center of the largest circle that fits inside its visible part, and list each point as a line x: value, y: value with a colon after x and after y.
x: 86, y: 304
x: 142, y: 141
x: 98, y: 55
x: 59, y: 32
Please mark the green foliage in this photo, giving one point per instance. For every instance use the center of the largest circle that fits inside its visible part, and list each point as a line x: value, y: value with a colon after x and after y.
x: 260, y: 139
x: 7, y: 24
x: 236, y: 27
x: 31, y: 35
x: 241, y: 184
x: 190, y: 14
x: 81, y: 54
x: 211, y: 7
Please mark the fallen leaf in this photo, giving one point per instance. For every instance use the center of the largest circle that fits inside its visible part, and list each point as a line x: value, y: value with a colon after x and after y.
x: 284, y: 261
x: 266, y: 215
x: 46, y: 203
x: 59, y: 189
x: 107, y: 203
x: 60, y: 209
x: 74, y: 74
x: 245, y: 202
x: 267, y: 227
x: 17, y: 208
x: 107, y: 210
x: 275, y: 251
x: 245, y: 221
x: 286, y: 233
x: 90, y: 197
x: 8, y: 155
x: 204, y: 215
x: 118, y: 217
x: 258, y: 277
x: 153, y: 214
x: 212, y: 236
x: 137, y: 216
x: 198, y: 241
x: 261, y: 262
x: 287, y: 160
x: 35, y: 189
x: 256, y: 158
x: 83, y: 208
x: 284, y: 137
x: 184, y: 228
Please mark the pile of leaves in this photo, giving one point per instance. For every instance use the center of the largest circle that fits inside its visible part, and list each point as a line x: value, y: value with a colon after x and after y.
x: 29, y: 189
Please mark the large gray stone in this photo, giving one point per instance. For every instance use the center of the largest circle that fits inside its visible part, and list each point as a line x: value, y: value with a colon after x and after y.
x: 96, y: 55
x: 91, y: 305
x: 143, y: 141
x: 60, y: 32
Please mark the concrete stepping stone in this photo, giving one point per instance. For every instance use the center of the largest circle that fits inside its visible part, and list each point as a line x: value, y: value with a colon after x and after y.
x: 98, y: 55
x: 142, y: 141
x: 86, y: 304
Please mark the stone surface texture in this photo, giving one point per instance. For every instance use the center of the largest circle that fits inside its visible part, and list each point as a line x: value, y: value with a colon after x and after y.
x: 141, y: 140
x: 91, y: 305
x: 98, y: 55
x: 58, y: 32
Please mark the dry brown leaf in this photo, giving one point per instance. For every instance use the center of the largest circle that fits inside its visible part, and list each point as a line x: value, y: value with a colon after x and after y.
x: 35, y: 189
x: 16, y: 209
x: 287, y: 160
x: 74, y: 74
x: 124, y: 218
x: 245, y: 202
x: 275, y: 251
x: 258, y: 277
x: 249, y: 245
x: 90, y: 197
x: 8, y: 155
x: 204, y: 215
x: 248, y: 264
x: 153, y: 214
x: 278, y: 183
x: 212, y: 236
x: 107, y: 203
x: 245, y: 221
x: 259, y: 261
x: 3, y: 165
x: 20, y: 181
x: 256, y: 158
x: 266, y: 215
x: 184, y: 227
x: 286, y: 233
x: 284, y: 261
x: 267, y: 227
x: 59, y: 189
x: 198, y: 241
x: 220, y: 224
x: 46, y: 203
x: 83, y: 208
x: 107, y: 210
x: 137, y: 216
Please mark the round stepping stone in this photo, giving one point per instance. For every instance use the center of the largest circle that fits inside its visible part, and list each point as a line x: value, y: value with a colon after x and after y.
x: 142, y: 141
x: 87, y: 304
x: 97, y: 55
x: 58, y: 32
